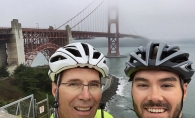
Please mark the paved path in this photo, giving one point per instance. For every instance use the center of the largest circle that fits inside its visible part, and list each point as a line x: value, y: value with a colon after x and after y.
x: 4, y: 114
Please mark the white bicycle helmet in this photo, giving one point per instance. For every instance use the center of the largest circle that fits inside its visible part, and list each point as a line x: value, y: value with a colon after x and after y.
x: 160, y: 55
x: 77, y: 55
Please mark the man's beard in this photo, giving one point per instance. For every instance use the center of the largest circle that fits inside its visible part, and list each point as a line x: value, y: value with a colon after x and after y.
x: 176, y: 113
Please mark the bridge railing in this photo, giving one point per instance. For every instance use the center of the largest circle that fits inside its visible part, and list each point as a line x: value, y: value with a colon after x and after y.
x: 27, y: 108
x: 23, y: 108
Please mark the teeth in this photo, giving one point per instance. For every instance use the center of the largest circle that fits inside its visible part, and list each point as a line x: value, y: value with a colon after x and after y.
x: 152, y: 110
x: 83, y: 109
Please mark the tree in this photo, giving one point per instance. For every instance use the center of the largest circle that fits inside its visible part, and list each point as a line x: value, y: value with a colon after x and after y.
x: 19, y: 69
x: 31, y: 79
x: 25, y: 78
x: 44, y: 82
x: 3, y: 71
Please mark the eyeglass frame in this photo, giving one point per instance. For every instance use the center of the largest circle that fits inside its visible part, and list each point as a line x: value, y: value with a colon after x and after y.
x: 80, y: 86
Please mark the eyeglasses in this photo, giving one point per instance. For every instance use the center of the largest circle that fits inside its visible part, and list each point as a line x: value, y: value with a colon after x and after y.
x: 93, y: 87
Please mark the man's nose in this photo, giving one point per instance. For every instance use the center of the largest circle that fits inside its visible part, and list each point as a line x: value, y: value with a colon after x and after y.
x: 155, y: 94
x: 85, y: 94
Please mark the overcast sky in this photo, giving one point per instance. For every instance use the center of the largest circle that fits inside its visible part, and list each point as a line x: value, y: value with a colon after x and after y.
x: 154, y: 19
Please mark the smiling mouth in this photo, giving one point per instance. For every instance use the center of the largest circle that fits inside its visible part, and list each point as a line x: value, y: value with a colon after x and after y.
x: 82, y: 109
x: 155, y: 110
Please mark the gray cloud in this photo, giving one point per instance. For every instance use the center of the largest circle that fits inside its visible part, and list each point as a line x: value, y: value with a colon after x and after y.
x: 155, y: 19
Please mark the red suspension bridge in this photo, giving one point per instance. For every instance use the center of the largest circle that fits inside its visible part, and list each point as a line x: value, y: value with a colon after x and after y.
x: 21, y: 45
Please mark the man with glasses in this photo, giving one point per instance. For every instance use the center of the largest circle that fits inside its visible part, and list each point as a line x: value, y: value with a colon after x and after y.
x: 76, y: 71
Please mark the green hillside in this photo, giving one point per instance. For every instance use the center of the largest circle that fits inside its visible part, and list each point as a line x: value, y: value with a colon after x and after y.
x: 25, y: 81
x: 8, y: 91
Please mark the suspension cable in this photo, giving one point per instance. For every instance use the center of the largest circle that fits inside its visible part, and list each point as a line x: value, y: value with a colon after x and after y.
x: 75, y: 15
x: 87, y: 15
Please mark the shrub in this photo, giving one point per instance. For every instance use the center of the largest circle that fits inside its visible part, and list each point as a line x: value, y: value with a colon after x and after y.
x: 3, y: 71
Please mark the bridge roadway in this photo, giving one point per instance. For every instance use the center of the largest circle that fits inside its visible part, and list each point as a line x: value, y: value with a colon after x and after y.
x: 37, y: 40
x: 5, y: 33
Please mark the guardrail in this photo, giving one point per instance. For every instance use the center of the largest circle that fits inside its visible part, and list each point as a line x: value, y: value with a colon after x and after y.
x: 23, y: 108
x: 26, y: 107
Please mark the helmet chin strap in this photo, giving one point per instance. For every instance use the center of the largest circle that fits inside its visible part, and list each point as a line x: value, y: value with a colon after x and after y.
x: 102, y: 106
x: 182, y: 83
x: 55, y: 103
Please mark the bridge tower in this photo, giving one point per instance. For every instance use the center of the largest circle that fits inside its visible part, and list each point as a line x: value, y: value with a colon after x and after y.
x: 113, y: 42
x: 15, y: 45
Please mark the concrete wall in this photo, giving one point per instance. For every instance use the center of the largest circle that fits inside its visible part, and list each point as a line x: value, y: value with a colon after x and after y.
x: 3, y: 56
x: 15, y: 45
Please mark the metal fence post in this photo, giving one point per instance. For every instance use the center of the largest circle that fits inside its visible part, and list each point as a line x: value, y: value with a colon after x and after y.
x: 48, y: 106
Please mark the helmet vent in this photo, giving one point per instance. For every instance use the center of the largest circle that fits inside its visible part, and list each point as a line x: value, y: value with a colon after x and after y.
x: 76, y: 53
x: 189, y: 67
x: 86, y: 48
x: 170, y: 53
x: 70, y: 46
x: 154, y: 52
x: 167, y: 52
x: 179, y: 59
x: 96, y: 55
x: 132, y: 60
x: 142, y: 55
x: 56, y: 58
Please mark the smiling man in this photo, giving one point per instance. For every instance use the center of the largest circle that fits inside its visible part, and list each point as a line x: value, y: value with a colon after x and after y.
x: 160, y: 75
x: 76, y: 71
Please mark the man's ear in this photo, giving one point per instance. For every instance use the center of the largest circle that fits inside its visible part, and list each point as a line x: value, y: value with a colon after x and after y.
x: 185, y: 88
x: 54, y: 88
